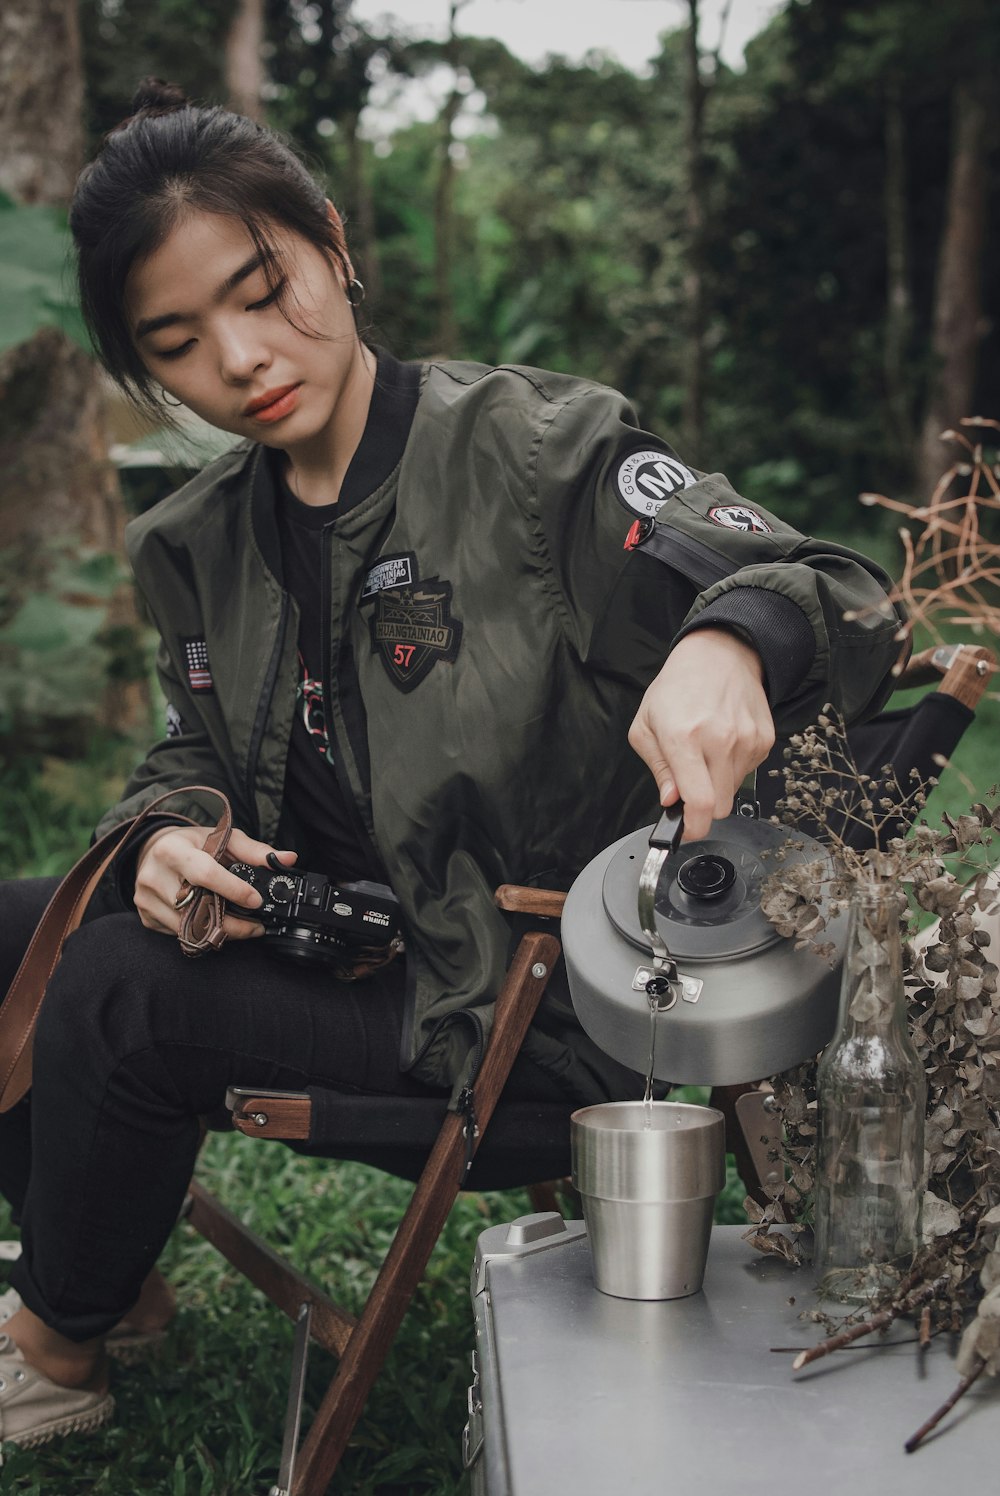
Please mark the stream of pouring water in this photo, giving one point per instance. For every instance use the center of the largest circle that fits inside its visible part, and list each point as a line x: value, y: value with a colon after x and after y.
x: 647, y: 1098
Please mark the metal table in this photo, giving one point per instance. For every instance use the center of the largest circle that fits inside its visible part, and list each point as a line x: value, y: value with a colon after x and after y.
x: 579, y: 1394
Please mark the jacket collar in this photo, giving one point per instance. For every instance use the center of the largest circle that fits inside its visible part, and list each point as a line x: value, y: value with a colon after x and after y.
x: 394, y: 401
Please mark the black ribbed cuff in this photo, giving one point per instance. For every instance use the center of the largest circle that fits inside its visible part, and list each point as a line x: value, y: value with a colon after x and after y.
x: 777, y: 628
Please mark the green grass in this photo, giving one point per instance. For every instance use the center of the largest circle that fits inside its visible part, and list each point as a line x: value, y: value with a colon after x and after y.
x: 203, y: 1418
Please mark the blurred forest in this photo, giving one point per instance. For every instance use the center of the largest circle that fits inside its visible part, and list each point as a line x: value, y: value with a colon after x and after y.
x: 789, y: 268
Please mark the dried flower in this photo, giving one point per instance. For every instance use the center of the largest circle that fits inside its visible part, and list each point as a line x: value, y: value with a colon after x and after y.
x: 952, y: 993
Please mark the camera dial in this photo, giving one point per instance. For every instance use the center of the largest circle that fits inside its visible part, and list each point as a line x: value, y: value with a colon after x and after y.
x: 282, y: 888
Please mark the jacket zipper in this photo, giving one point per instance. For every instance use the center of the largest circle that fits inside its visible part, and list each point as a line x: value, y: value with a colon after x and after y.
x: 360, y: 824
x: 467, y: 1095
x: 702, y: 565
x: 466, y: 1100
x: 264, y: 707
x: 461, y: 1015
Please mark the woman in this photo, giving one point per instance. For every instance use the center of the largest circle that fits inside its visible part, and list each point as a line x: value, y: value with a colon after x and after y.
x: 404, y: 626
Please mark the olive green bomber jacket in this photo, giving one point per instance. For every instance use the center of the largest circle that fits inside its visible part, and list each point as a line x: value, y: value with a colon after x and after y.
x: 505, y: 597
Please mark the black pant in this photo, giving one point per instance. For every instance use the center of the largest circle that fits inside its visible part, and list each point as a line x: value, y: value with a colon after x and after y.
x: 135, y: 1042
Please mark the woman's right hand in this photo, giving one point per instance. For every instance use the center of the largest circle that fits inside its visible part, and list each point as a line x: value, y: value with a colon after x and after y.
x: 177, y: 853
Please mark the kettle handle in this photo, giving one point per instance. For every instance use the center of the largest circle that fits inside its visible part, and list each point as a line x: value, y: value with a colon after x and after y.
x: 667, y: 833
x: 664, y: 840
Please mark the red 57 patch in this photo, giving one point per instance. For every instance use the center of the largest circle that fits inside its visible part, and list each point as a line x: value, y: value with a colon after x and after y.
x: 739, y: 517
x: 412, y: 628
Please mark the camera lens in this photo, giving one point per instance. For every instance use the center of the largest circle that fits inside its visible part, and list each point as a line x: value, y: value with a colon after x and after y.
x: 706, y: 877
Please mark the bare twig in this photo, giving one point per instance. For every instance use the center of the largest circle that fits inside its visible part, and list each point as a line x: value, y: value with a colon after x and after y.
x: 879, y: 1321
x: 951, y: 560
x: 924, y: 1338
x: 915, y: 1440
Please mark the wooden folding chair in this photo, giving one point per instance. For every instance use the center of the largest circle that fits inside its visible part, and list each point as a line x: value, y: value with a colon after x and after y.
x: 413, y: 1137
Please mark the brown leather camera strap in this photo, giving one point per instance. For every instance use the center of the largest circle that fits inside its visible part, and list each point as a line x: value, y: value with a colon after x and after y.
x: 201, y: 923
x: 200, y: 931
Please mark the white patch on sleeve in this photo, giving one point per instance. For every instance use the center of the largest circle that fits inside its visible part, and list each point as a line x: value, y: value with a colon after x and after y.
x: 175, y: 726
x: 646, y: 480
x: 739, y: 517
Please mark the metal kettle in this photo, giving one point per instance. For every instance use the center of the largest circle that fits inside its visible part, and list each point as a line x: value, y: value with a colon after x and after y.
x: 650, y: 923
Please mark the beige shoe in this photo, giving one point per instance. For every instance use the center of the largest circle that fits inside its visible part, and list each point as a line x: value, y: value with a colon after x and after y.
x: 123, y: 1342
x: 34, y: 1409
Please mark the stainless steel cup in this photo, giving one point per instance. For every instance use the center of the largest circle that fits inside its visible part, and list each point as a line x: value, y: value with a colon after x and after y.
x: 648, y: 1176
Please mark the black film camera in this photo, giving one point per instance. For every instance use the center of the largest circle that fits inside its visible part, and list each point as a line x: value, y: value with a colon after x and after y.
x: 310, y: 920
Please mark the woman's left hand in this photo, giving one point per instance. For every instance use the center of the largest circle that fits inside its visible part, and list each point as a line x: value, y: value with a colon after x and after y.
x: 703, y: 724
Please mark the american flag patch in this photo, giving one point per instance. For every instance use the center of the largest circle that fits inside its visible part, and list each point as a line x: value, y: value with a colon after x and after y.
x: 196, y: 661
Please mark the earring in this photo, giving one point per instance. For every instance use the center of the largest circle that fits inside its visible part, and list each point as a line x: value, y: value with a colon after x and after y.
x: 355, y: 292
x: 167, y: 400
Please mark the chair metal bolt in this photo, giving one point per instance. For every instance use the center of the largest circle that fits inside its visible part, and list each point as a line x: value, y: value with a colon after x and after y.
x: 259, y: 1119
x: 539, y: 970
x: 982, y: 667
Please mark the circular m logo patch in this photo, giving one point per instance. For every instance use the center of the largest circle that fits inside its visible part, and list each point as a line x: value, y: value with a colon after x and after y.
x: 645, y: 480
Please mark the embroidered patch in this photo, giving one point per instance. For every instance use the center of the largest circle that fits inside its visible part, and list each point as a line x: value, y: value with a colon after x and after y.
x: 175, y: 723
x: 646, y: 480
x: 739, y: 517
x: 412, y: 628
x: 196, y: 661
x: 390, y: 571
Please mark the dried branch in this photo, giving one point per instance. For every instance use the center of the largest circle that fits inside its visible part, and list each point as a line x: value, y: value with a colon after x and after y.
x: 881, y: 1320
x: 915, y: 1440
x: 954, y: 563
x: 952, y: 990
x: 925, y: 1329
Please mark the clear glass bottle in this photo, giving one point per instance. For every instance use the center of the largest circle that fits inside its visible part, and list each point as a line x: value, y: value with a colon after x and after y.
x: 872, y: 1096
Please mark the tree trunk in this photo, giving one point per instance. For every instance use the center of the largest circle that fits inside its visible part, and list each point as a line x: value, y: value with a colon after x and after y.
x: 694, y: 273
x: 41, y: 100
x: 55, y: 476
x: 244, y: 59
x: 444, y: 228
x: 899, y: 304
x: 958, y: 315
x: 58, y: 489
x: 447, y: 335
x: 361, y: 234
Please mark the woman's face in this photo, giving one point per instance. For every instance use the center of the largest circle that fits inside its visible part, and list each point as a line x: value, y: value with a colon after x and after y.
x: 211, y: 332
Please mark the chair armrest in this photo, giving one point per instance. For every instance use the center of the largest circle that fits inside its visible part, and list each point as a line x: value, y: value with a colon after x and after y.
x: 259, y: 1113
x: 959, y: 670
x: 547, y: 903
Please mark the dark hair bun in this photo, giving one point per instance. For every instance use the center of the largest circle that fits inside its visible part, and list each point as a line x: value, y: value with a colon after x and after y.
x: 155, y: 95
